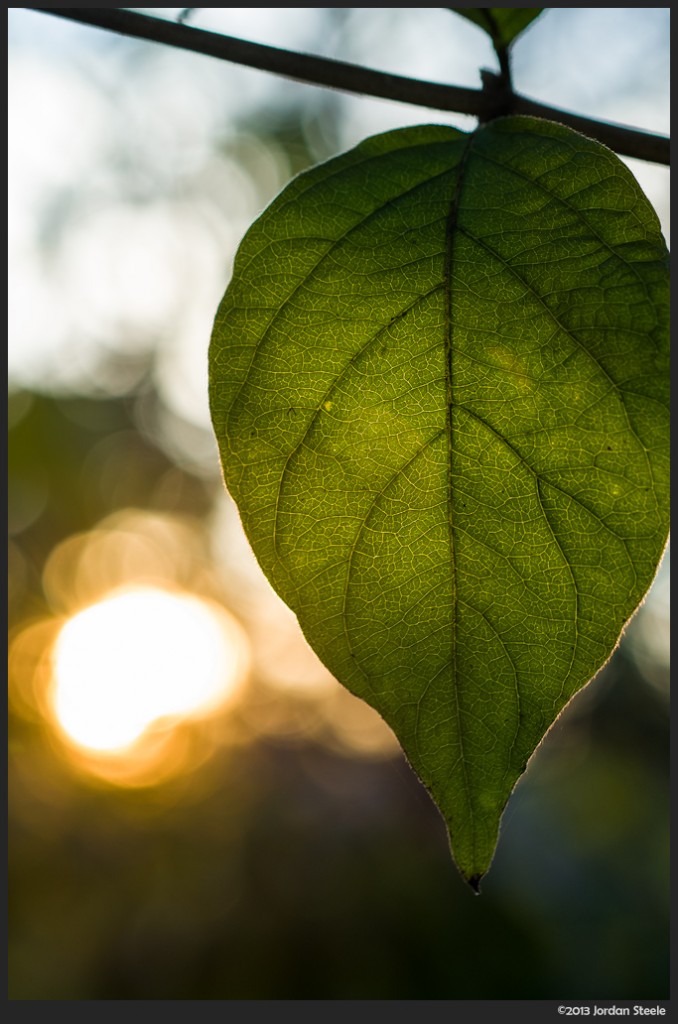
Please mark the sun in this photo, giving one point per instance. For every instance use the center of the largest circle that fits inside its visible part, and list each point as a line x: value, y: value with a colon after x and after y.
x: 140, y: 657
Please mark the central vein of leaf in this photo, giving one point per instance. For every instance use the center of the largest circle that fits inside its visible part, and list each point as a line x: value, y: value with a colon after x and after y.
x: 450, y: 231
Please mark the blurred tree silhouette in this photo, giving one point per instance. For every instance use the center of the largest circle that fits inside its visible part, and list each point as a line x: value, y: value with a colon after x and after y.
x: 289, y: 864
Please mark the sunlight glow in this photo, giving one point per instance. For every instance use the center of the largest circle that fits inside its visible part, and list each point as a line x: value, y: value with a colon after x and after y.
x: 139, y: 658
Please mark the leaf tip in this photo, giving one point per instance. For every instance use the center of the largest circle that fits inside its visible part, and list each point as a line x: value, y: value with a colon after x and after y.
x: 474, y: 882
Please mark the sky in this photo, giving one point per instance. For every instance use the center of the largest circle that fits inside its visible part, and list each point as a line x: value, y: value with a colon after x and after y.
x: 88, y: 118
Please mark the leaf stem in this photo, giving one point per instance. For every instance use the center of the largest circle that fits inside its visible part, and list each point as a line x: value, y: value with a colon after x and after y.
x: 482, y: 103
x: 502, y: 52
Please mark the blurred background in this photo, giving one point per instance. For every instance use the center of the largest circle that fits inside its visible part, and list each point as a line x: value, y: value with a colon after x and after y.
x: 246, y: 829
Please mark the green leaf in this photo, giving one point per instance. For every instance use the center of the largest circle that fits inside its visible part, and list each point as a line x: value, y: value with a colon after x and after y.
x: 438, y: 380
x: 502, y: 24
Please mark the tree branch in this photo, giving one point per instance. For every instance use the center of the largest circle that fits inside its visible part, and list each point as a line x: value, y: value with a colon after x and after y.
x: 482, y: 103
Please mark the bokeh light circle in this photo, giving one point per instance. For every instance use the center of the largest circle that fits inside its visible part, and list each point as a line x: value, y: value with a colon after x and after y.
x: 140, y: 661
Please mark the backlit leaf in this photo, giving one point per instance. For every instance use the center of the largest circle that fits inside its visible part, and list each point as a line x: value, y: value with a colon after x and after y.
x: 438, y: 380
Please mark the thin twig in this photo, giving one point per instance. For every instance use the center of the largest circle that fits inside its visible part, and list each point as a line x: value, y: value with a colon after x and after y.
x: 354, y: 78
